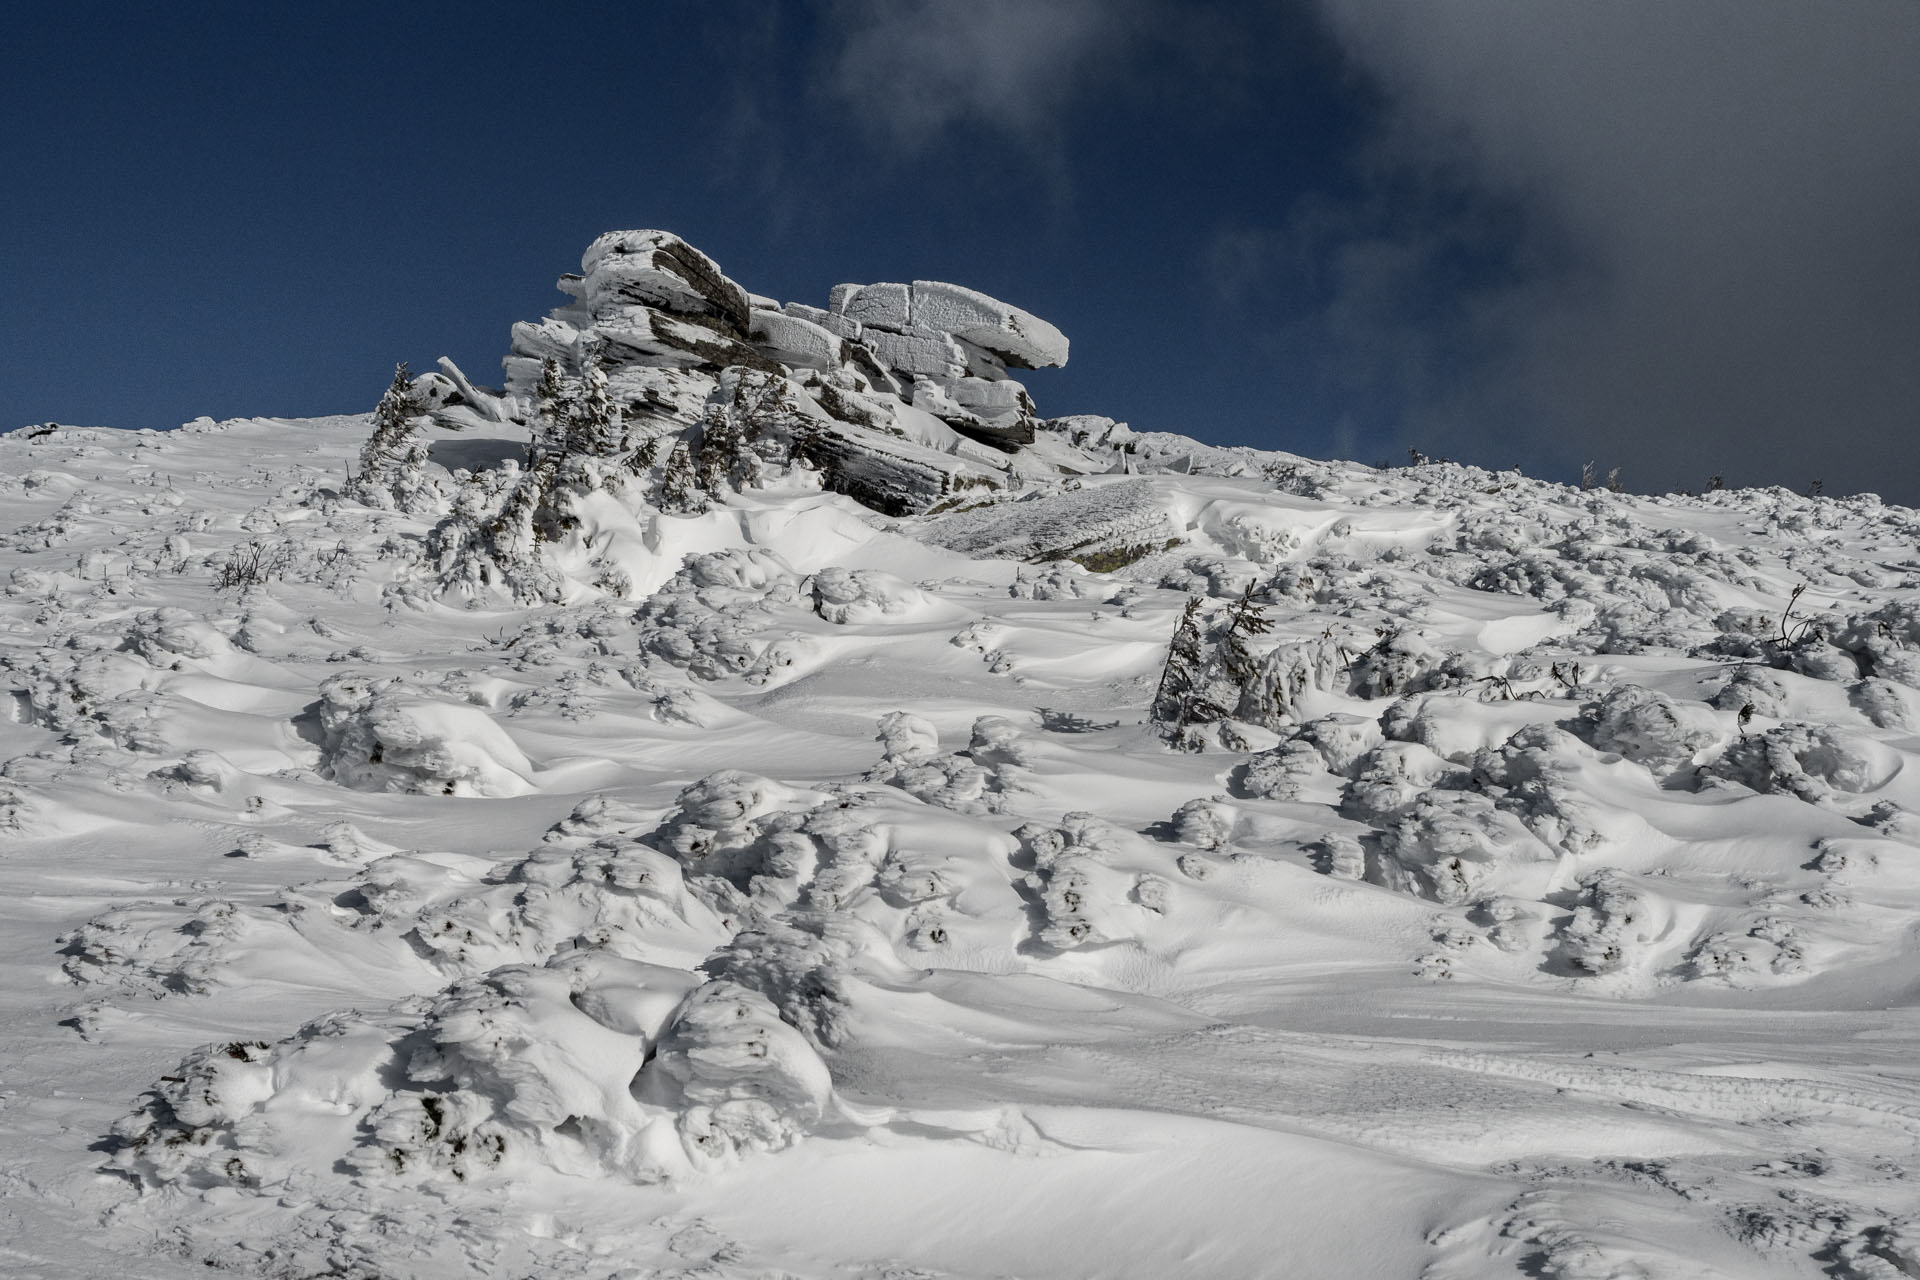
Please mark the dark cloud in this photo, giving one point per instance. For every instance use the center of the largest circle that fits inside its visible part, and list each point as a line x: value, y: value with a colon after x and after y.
x: 1711, y: 215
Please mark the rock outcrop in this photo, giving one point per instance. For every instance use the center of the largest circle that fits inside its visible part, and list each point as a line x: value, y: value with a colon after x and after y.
x: 925, y: 363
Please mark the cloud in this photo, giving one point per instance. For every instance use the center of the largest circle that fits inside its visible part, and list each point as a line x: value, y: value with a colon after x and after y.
x: 1711, y: 231
x: 911, y: 70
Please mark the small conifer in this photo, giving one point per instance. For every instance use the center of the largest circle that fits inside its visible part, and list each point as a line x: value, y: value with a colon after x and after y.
x: 1181, y: 672
x: 595, y: 428
x: 393, y: 461
x: 680, y: 487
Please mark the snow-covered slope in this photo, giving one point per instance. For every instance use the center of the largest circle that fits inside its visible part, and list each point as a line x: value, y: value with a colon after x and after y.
x: 785, y: 881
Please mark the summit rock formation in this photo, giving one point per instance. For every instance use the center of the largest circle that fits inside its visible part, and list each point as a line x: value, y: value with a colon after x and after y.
x: 665, y: 321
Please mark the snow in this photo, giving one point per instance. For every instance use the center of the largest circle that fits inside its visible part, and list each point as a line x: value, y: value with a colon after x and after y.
x: 798, y: 889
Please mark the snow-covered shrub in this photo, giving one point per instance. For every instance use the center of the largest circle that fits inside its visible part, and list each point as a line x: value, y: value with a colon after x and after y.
x: 1755, y: 687
x: 1206, y: 823
x: 1651, y: 728
x: 505, y: 525
x: 1060, y: 580
x: 386, y: 735
x: 490, y: 539
x: 393, y: 463
x: 1340, y: 740
x: 525, y: 1066
x: 158, y: 948
x: 1403, y: 662
x: 1278, y: 774
x: 1815, y: 657
x: 906, y: 738
x: 751, y: 425
x: 1389, y: 777
x: 544, y: 1071
x: 1534, y: 776
x: 1769, y: 949
x: 1271, y: 697
x: 1211, y: 674
x: 1810, y: 761
x: 1446, y: 845
x: 1885, y: 704
x: 1613, y: 920
x: 1085, y: 900
x: 741, y: 1079
x: 1885, y: 642
x: 740, y: 838
x: 708, y: 616
x: 843, y: 596
x: 615, y: 894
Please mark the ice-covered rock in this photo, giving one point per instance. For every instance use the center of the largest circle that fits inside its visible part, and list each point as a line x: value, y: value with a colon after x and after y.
x: 797, y: 341
x: 869, y: 373
x: 1018, y: 337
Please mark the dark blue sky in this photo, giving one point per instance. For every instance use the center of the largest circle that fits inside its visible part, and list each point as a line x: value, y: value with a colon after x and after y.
x: 1535, y: 233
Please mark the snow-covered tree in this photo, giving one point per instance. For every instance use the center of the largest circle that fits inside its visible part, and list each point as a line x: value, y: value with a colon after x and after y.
x: 1209, y: 673
x: 750, y: 421
x: 1185, y: 659
x: 551, y: 417
x: 680, y: 488
x: 392, y: 474
x: 595, y: 428
x: 1245, y: 619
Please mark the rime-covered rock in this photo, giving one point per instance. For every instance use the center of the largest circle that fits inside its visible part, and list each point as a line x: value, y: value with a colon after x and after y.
x: 1019, y: 337
x: 669, y: 328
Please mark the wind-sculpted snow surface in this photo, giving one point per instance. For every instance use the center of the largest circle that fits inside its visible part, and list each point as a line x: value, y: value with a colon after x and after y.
x: 780, y: 873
